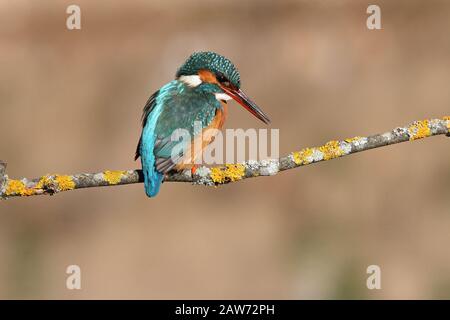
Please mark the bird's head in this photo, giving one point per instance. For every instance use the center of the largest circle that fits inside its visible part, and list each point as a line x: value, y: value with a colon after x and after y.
x: 212, y: 68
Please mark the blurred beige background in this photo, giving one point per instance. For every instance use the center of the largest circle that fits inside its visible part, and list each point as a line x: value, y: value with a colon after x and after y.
x: 71, y: 101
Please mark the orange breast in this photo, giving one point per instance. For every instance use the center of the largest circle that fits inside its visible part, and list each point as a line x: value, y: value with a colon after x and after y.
x: 200, y: 142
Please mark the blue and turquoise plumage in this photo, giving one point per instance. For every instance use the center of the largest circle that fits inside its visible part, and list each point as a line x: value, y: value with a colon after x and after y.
x: 174, y: 106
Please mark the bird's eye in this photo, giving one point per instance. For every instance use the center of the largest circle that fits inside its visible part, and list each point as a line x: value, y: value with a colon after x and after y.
x: 220, y: 77
x: 223, y: 80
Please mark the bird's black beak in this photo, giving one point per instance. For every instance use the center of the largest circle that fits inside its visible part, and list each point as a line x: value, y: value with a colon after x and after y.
x: 240, y: 97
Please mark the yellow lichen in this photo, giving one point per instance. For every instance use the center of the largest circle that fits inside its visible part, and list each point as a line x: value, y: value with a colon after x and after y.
x: 229, y: 173
x: 64, y: 182
x: 350, y: 140
x: 43, y: 182
x: 301, y: 157
x: 17, y: 187
x: 113, y: 177
x: 331, y: 150
x: 419, y: 130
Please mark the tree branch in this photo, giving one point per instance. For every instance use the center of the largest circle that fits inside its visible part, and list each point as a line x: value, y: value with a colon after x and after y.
x: 54, y: 183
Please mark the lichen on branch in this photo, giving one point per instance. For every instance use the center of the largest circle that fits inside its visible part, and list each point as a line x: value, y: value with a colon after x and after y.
x: 213, y: 176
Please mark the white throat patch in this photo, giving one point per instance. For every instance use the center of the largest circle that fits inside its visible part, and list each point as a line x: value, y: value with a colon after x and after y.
x: 222, y: 96
x: 191, y: 81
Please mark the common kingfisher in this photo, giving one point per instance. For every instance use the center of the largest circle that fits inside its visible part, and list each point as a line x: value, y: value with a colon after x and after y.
x: 199, y: 93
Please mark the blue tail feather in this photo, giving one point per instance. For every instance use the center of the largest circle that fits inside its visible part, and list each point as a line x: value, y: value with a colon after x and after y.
x: 152, y: 178
x: 152, y: 181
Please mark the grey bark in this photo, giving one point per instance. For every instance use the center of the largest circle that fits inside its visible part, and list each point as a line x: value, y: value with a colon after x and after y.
x: 51, y: 184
